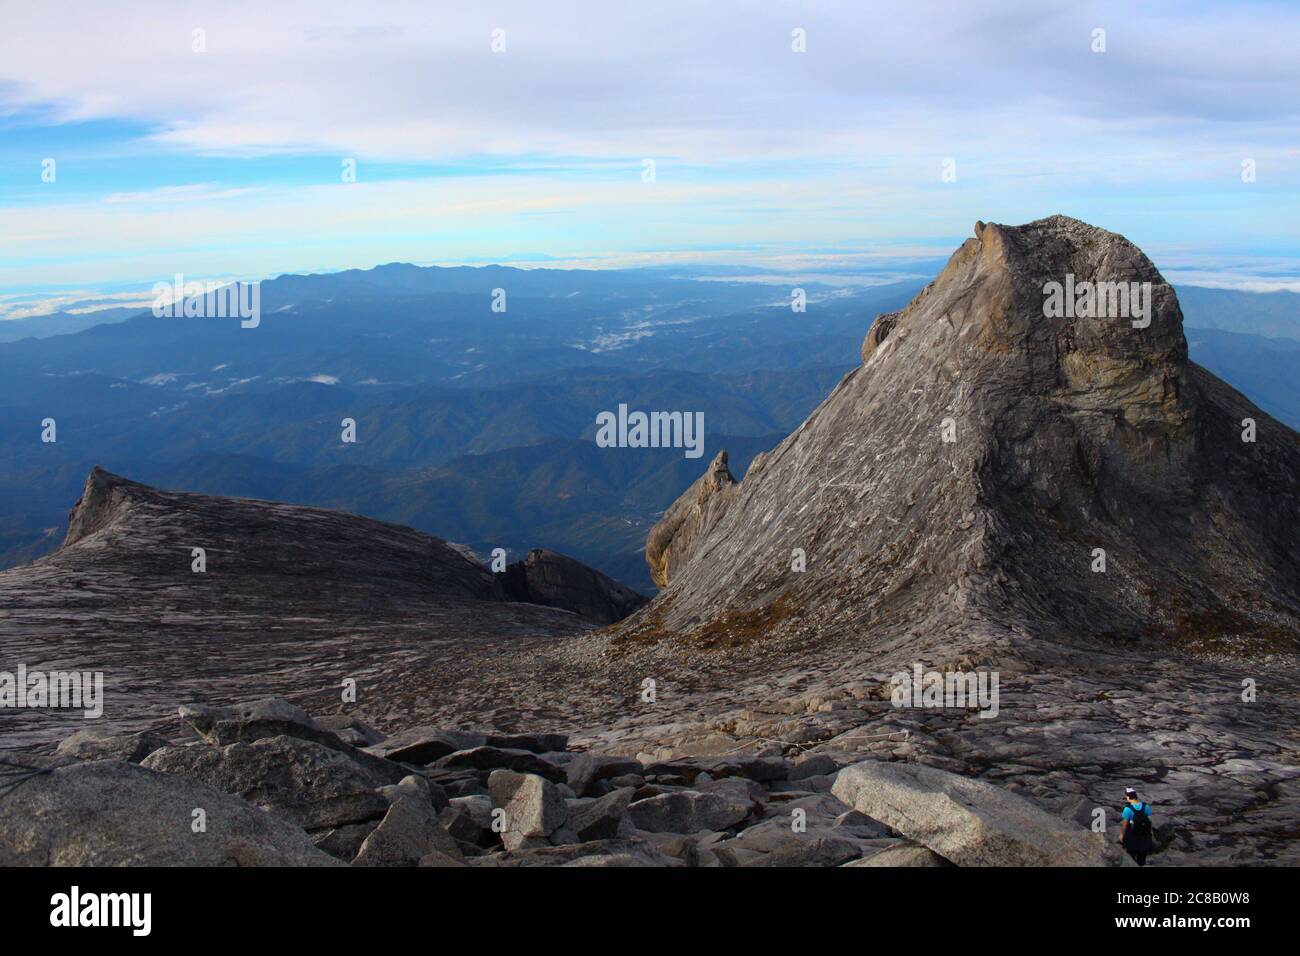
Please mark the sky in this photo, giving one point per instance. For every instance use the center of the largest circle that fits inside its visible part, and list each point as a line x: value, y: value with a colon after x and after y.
x: 212, y: 139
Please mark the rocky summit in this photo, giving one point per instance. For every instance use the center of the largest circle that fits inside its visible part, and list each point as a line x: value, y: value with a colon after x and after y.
x: 1024, y: 556
x: 963, y: 477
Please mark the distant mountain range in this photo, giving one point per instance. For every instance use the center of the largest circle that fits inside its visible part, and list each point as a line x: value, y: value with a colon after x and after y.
x: 61, y: 323
x: 472, y: 424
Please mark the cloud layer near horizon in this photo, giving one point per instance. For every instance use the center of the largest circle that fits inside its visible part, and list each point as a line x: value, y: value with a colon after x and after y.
x: 227, y: 161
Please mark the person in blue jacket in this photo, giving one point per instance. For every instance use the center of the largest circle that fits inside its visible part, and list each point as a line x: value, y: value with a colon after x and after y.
x: 1135, y: 829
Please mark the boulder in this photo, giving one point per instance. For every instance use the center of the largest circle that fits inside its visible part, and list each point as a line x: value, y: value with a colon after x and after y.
x: 92, y: 745
x: 408, y: 833
x: 312, y: 785
x: 563, y: 855
x: 781, y: 845
x: 586, y: 769
x: 469, y: 820
x: 256, y: 720
x: 612, y: 859
x: 603, y: 818
x: 759, y: 769
x: 902, y: 855
x: 496, y: 758
x: 813, y: 765
x: 350, y: 730
x: 813, y: 848
x: 246, y: 723
x: 464, y: 782
x: 689, y: 850
x: 344, y: 842
x: 113, y: 813
x: 416, y: 785
x: 858, y: 824
x: 437, y: 858
x: 688, y: 811
x: 535, y: 743
x: 733, y: 853
x: 738, y: 788
x: 424, y: 745
x: 967, y: 821
x: 534, y: 808
x: 879, y: 331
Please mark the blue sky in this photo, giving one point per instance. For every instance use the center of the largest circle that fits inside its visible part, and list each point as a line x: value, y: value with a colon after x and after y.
x: 226, y: 162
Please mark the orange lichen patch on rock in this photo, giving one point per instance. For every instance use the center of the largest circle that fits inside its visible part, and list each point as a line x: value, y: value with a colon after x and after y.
x: 742, y: 628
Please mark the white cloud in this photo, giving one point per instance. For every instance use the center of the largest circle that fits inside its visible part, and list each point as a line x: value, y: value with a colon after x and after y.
x: 672, y: 78
x: 756, y: 144
x: 1239, y: 283
x: 194, y: 192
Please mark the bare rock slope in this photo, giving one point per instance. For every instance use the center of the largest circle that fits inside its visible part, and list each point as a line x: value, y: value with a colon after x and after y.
x: 971, y: 468
x: 282, y: 599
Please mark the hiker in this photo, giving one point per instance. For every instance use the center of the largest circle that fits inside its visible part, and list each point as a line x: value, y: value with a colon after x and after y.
x: 1135, y: 831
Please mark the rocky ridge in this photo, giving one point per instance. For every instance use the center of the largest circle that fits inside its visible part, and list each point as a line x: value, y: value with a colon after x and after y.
x: 282, y: 599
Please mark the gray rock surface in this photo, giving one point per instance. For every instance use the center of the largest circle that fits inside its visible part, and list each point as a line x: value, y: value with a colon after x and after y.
x: 673, y: 540
x: 424, y: 745
x: 555, y: 580
x: 609, y: 852
x: 586, y: 769
x: 408, y: 833
x: 344, y: 842
x: 968, y: 822
x: 285, y: 587
x: 902, y: 855
x: 535, y: 743
x: 813, y: 765
x: 92, y: 745
x: 602, y: 818
x: 534, y: 808
x: 491, y: 758
x: 469, y: 820
x: 312, y: 785
x: 689, y: 811
x: 113, y: 813
x: 351, y: 730
x: 256, y: 720
x: 1068, y: 434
